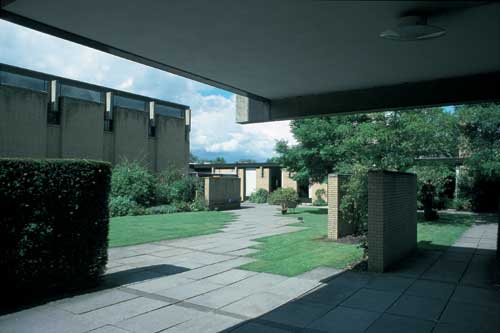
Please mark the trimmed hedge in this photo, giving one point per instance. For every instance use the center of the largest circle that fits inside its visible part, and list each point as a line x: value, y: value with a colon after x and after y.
x: 53, y: 224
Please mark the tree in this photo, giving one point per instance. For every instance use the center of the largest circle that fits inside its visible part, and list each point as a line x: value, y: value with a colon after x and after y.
x: 219, y: 160
x: 388, y: 140
x: 193, y: 158
x: 480, y: 146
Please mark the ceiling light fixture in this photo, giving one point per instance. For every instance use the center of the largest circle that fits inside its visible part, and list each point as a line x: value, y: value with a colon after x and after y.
x: 413, y: 28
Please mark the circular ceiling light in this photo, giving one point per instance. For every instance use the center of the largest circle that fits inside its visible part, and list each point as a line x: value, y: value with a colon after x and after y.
x: 413, y: 28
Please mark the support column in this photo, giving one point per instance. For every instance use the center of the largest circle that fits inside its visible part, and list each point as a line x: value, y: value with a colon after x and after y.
x: 392, y: 218
x: 337, y: 226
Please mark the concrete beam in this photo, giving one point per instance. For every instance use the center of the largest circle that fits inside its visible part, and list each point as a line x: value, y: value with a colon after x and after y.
x: 440, y: 92
x: 249, y: 110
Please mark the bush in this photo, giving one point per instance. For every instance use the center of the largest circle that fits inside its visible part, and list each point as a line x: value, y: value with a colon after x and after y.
x: 132, y: 180
x: 354, y: 199
x: 462, y: 204
x: 173, y: 186
x: 162, y: 209
x: 53, y: 224
x: 182, y: 206
x: 319, y: 202
x: 259, y: 197
x: 123, y: 206
x: 281, y: 195
x: 320, y: 193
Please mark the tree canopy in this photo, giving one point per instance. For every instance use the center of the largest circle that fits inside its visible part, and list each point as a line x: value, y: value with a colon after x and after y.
x: 385, y: 140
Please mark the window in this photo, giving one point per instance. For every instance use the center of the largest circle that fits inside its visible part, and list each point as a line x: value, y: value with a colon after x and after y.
x: 81, y: 93
x: 169, y: 111
x: 23, y: 81
x: 129, y: 103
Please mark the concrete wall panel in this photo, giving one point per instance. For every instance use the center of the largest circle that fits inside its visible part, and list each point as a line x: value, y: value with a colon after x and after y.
x: 53, y: 141
x: 23, y: 123
x: 171, y: 143
x: 82, y: 129
x: 108, y: 153
x: 131, y: 135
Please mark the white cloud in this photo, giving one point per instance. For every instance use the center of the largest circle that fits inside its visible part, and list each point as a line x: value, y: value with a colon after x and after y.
x: 214, y: 130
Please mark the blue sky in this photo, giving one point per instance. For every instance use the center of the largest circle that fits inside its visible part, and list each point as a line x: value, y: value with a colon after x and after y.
x: 214, y: 131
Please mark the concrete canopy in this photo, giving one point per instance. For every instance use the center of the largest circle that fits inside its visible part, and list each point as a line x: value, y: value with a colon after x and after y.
x: 296, y: 58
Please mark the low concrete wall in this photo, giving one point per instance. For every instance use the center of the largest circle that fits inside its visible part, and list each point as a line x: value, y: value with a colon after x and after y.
x: 222, y: 192
x: 337, y: 226
x: 392, y: 218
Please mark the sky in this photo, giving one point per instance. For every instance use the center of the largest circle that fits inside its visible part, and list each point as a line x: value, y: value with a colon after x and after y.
x: 214, y: 131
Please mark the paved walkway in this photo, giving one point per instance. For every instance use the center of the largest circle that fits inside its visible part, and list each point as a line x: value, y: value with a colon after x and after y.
x: 194, y: 285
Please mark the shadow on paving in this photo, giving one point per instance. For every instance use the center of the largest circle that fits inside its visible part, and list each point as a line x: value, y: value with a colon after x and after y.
x: 450, y: 290
x: 107, y: 281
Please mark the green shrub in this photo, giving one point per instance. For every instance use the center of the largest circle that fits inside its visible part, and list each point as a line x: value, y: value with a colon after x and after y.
x: 182, y: 206
x: 354, y: 198
x: 173, y: 186
x: 281, y: 195
x: 162, y: 209
x: 53, y: 224
x: 132, y: 180
x: 462, y: 204
x: 123, y: 206
x: 259, y: 197
x: 319, y: 202
x: 199, y: 204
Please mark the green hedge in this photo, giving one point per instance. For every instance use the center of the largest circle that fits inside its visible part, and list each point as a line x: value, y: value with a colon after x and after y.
x: 53, y: 223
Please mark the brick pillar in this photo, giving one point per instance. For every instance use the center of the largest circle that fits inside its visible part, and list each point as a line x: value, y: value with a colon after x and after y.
x: 337, y: 226
x: 392, y: 218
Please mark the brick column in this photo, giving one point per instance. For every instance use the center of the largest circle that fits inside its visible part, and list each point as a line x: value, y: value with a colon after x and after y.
x: 337, y: 226
x: 392, y: 218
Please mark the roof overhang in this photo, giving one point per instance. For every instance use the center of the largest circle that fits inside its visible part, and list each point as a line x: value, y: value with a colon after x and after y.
x: 296, y: 58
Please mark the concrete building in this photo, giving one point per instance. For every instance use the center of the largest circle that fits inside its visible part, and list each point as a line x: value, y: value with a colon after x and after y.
x: 255, y: 176
x: 44, y: 116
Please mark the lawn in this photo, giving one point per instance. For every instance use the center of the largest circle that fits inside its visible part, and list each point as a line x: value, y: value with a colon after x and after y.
x: 130, y: 230
x: 298, y: 252
x: 443, y: 232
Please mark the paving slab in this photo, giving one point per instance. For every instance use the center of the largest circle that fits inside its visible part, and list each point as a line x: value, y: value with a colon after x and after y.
x: 45, y: 319
x: 293, y: 287
x: 189, y: 290
x: 342, y: 319
x: 214, y: 269
x: 299, y: 314
x: 243, y: 252
x: 259, y: 328
x: 371, y: 300
x: 110, y: 329
x: 418, y: 307
x: 479, y: 296
x: 389, y: 283
x: 206, y: 323
x: 161, y: 283
x: 256, y: 304
x: 473, y: 316
x: 157, y: 320
x: 319, y: 273
x: 92, y: 301
x: 124, y: 310
x: 230, y: 276
x: 396, y: 324
x: 431, y: 289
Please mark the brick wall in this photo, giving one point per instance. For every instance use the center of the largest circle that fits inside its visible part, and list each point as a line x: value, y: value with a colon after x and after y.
x: 287, y: 181
x: 263, y: 178
x: 222, y: 192
x: 392, y: 218
x: 337, y: 226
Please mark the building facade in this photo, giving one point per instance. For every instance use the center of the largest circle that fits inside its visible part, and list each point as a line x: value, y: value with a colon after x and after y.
x: 255, y: 176
x: 43, y: 116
